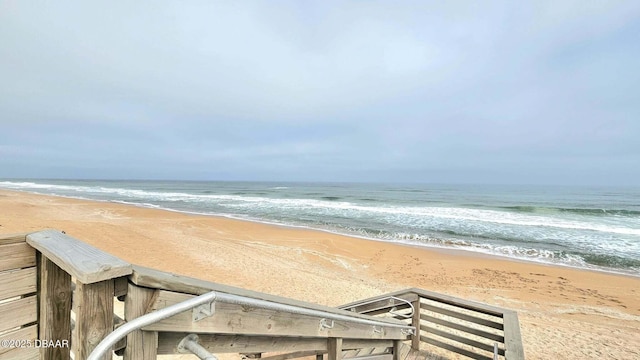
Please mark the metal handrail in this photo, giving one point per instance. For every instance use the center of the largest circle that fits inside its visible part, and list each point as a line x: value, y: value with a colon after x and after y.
x: 210, y: 297
x: 391, y: 310
x: 107, y: 343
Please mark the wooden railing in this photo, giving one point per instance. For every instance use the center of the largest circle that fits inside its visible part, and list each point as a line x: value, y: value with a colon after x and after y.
x: 61, y: 291
x: 75, y: 286
x: 468, y: 328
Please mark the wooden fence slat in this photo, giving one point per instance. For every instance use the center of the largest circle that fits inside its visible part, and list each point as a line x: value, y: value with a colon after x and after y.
x: 12, y: 238
x: 404, y: 351
x: 348, y: 344
x: 455, y: 349
x: 16, y: 256
x: 21, y: 354
x: 373, y: 357
x: 17, y: 282
x: 465, y: 304
x: 460, y: 327
x: 291, y: 355
x: 168, y: 343
x: 25, y: 333
x: 463, y: 340
x: 465, y: 317
x: 18, y: 312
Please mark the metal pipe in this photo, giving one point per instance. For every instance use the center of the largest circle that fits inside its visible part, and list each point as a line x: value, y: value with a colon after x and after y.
x: 107, y: 343
x: 190, y: 344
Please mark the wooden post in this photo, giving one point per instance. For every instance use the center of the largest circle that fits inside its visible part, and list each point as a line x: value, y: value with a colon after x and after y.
x: 55, y: 309
x: 397, y: 345
x: 93, y: 305
x: 334, y: 347
x: 415, y: 321
x: 141, y: 345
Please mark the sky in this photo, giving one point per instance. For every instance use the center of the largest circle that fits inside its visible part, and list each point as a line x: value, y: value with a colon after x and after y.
x: 502, y: 92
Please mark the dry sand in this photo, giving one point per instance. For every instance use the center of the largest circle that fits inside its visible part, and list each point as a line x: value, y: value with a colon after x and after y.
x: 564, y: 313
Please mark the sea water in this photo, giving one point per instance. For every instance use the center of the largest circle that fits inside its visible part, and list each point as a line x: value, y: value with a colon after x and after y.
x: 585, y: 227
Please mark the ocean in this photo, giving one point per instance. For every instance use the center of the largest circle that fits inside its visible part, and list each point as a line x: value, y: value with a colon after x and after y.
x: 585, y: 227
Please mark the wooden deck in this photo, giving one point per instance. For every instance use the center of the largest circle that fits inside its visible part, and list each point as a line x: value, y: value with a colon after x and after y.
x: 59, y: 289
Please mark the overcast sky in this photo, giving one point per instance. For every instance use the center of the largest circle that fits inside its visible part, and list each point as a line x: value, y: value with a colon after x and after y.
x: 419, y: 91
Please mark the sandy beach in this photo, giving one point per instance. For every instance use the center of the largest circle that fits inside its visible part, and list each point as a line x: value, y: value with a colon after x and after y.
x: 565, y: 313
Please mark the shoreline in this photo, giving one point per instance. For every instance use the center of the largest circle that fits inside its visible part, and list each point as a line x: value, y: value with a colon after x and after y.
x: 599, y: 312
x: 453, y: 250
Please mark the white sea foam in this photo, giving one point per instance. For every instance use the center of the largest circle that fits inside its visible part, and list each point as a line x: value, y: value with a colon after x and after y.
x: 533, y: 236
x: 403, y: 215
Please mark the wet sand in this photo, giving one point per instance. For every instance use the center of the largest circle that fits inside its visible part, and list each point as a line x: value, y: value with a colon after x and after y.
x: 564, y: 313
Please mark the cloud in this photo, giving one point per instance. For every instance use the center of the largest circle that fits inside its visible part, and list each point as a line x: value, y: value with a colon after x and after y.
x: 347, y: 90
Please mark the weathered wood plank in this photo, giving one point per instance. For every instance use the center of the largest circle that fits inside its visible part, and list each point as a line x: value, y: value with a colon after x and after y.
x: 455, y: 349
x: 55, y: 308
x: 83, y: 261
x: 346, y: 354
x: 17, y: 282
x: 374, y: 357
x: 16, y: 256
x: 141, y: 345
x: 18, y: 312
x: 167, y: 281
x: 291, y: 355
x: 248, y: 320
x: 334, y: 348
x: 466, y: 304
x: 413, y: 355
x: 168, y: 341
x: 463, y: 340
x: 415, y: 321
x: 397, y: 350
x: 122, y: 343
x: 465, y: 317
x: 21, y: 354
x: 446, y: 299
x: 93, y: 304
x: 366, y: 343
x: 404, y: 351
x: 216, y: 343
x: 513, y: 339
x: 452, y: 325
x: 120, y: 286
x: 12, y: 238
x: 25, y: 333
